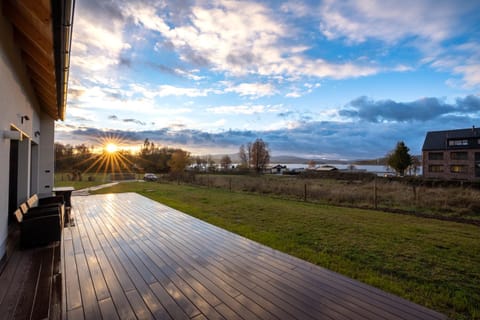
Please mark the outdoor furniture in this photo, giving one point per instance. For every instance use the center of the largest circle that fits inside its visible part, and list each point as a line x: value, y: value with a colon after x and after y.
x: 35, y: 202
x: 39, y: 226
x: 66, y: 192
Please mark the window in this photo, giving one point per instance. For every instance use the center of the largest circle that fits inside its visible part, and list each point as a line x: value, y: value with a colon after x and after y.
x: 459, y: 169
x: 435, y: 156
x: 459, y: 155
x: 435, y: 168
x: 458, y: 142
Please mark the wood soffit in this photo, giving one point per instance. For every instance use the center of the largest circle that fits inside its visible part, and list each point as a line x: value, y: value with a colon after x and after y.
x: 33, y: 33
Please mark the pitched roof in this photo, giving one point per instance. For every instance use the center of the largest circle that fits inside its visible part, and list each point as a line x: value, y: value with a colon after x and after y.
x: 42, y: 29
x: 437, y: 140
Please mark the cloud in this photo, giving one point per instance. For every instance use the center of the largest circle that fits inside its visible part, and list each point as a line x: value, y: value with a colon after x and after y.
x: 321, y: 139
x: 239, y: 38
x: 433, y: 27
x: 242, y: 109
x: 134, y: 121
x: 390, y: 21
x: 252, y: 89
x: 424, y: 109
x: 112, y: 117
x: 168, y: 90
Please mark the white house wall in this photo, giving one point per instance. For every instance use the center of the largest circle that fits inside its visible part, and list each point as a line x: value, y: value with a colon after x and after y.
x: 16, y: 100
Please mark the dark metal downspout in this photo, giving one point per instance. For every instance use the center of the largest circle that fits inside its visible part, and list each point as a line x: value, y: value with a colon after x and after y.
x: 62, y: 15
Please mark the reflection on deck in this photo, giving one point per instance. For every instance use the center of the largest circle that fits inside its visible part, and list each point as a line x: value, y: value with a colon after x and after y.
x: 130, y: 257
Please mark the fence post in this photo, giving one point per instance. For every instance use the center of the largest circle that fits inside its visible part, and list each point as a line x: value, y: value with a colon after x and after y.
x: 230, y: 184
x: 305, y: 192
x: 375, y: 192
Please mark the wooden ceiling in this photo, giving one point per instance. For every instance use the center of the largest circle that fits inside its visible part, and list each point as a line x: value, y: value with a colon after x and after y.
x: 33, y: 32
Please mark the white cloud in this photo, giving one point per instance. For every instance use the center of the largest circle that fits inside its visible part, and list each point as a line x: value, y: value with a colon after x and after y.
x: 240, y: 38
x: 96, y: 47
x: 244, y: 109
x: 388, y: 20
x: 252, y: 89
x: 296, y: 8
x: 293, y: 94
x: 168, y: 90
x: 189, y: 74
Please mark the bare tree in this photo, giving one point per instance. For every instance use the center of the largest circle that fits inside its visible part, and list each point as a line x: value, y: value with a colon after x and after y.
x: 243, y: 157
x: 259, y: 155
x: 225, y: 162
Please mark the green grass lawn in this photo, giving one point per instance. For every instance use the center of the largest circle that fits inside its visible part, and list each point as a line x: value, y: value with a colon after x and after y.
x: 433, y: 263
x: 61, y: 180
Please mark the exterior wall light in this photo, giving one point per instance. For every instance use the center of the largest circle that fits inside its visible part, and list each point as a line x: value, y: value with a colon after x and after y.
x: 24, y: 118
x: 12, y: 135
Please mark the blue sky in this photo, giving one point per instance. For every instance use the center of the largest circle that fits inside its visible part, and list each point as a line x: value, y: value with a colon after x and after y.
x: 331, y: 79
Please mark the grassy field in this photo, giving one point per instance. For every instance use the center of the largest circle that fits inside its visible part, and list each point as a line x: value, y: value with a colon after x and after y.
x: 433, y: 263
x: 62, y: 179
x: 453, y: 202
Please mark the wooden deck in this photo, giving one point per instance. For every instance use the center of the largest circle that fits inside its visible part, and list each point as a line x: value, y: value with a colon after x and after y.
x: 31, y: 283
x: 128, y: 257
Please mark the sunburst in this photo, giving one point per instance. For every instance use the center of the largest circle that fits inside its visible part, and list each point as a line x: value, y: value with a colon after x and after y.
x: 111, y: 159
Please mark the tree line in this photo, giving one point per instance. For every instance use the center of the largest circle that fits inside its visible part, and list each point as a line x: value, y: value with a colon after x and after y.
x: 154, y: 158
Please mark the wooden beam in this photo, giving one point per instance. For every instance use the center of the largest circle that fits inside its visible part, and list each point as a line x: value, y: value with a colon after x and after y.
x: 47, y: 98
x: 39, y: 79
x: 49, y: 74
x: 28, y: 45
x: 46, y: 89
x: 52, y: 112
x: 25, y: 25
x: 34, y: 51
x: 41, y: 10
x: 36, y: 75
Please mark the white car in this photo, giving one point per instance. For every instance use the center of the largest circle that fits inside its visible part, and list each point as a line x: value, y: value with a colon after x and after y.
x: 150, y: 177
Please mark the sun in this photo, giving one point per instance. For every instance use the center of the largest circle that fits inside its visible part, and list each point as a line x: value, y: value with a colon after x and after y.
x: 111, y: 148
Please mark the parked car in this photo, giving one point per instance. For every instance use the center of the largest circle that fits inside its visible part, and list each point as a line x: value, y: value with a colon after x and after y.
x: 150, y: 177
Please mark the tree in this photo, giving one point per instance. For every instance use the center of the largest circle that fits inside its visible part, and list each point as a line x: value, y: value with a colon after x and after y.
x: 259, y: 155
x: 243, y: 157
x: 225, y: 161
x: 399, y: 159
x: 210, y: 163
x: 179, y: 161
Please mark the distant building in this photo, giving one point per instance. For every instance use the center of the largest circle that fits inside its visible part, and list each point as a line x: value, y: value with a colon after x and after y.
x: 452, y: 154
x: 326, y: 168
x: 278, y: 169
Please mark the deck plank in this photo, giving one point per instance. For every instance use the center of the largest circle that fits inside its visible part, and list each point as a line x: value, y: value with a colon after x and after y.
x: 134, y: 258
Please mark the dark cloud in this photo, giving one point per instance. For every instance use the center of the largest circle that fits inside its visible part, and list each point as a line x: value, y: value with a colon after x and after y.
x: 179, y: 10
x: 241, y: 58
x: 79, y: 118
x: 135, y: 121
x: 125, y: 61
x: 162, y: 68
x: 424, y: 109
x: 354, y: 139
x: 328, y: 139
x: 196, y: 58
x: 105, y: 12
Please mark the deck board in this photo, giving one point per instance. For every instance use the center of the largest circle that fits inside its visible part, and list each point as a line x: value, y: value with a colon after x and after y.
x: 130, y: 257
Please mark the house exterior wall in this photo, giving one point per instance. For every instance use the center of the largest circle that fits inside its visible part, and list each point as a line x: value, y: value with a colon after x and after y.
x: 17, y: 100
x: 450, y: 166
